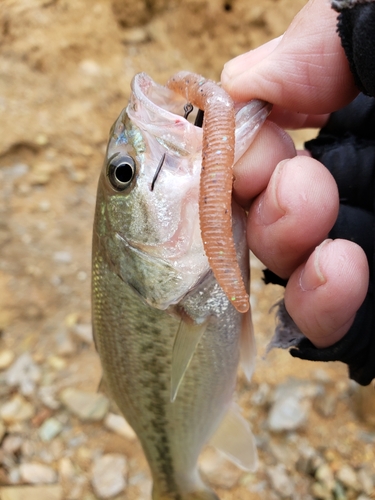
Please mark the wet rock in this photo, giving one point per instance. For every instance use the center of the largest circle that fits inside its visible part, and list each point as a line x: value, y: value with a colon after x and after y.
x: 50, y: 429
x: 6, y: 358
x: 280, y: 480
x: 108, y: 475
x: 31, y: 493
x: 37, y: 473
x: 118, y: 424
x: 23, y: 373
x: 85, y: 405
x: 16, y: 409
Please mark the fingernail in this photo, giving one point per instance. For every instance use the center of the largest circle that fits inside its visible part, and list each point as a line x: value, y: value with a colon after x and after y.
x: 269, y: 209
x: 312, y: 275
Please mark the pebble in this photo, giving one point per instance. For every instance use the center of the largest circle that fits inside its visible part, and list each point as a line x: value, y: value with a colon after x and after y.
x: 16, y: 410
x: 366, y: 481
x: 134, y: 35
x: 118, y: 424
x: 347, y: 476
x: 37, y: 473
x: 23, y: 373
x: 31, y: 493
x: 108, y: 475
x: 50, y: 429
x: 83, y: 332
x: 85, y: 405
x: 219, y: 471
x: 63, y: 257
x: 280, y: 480
x: 6, y: 358
x: 287, y: 414
x: 325, y: 477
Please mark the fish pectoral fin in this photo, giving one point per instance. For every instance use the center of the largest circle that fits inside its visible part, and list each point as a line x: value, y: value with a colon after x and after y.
x: 187, y: 338
x: 235, y: 439
x: 248, y: 348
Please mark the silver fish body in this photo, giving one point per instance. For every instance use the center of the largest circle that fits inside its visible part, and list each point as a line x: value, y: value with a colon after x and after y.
x: 151, y: 280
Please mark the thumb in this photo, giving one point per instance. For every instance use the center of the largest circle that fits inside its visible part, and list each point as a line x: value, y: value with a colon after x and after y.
x: 305, y: 70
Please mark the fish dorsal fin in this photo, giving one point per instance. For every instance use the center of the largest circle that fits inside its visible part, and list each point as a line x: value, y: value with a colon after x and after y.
x: 235, y: 439
x: 248, y: 348
x: 187, y: 338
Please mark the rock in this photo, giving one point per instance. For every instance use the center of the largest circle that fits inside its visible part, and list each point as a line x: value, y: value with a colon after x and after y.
x: 280, y: 481
x: 320, y: 492
x: 85, y: 405
x: 6, y: 358
x: 2, y: 431
x: 288, y: 414
x: 62, y: 257
x: 12, y: 444
x: 31, y: 493
x: 37, y: 473
x: 325, y: 476
x: 134, y: 36
x: 47, y: 395
x: 83, y: 332
x: 50, y: 429
x: 56, y: 362
x: 64, y: 344
x: 347, y: 476
x: 23, y: 373
x: 366, y: 481
x: 16, y: 409
x: 218, y: 470
x: 108, y: 475
x: 325, y: 404
x: 118, y: 424
x: 364, y: 402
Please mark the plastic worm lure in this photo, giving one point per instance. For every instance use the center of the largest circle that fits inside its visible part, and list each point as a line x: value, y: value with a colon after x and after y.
x: 215, y: 197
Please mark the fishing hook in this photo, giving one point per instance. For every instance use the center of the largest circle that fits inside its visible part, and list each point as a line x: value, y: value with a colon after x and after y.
x: 188, y: 108
x: 199, y: 118
x: 157, y: 171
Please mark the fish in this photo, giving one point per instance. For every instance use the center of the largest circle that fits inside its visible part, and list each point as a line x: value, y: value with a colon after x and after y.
x: 169, y: 338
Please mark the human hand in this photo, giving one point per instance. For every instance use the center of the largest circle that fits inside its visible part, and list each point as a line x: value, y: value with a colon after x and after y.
x: 293, y: 200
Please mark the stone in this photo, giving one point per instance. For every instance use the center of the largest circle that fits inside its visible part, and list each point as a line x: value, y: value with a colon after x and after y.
x: 280, y: 480
x: 325, y: 476
x: 218, y: 470
x: 47, y: 395
x: 16, y: 410
x: 6, y: 358
x: 287, y: 414
x: 320, y: 492
x: 325, y: 404
x: 85, y: 405
x: 118, y: 424
x: 23, y: 373
x: 31, y: 493
x: 108, y: 475
x: 347, y: 476
x: 12, y: 444
x: 62, y: 257
x: 83, y: 332
x: 366, y: 481
x: 50, y: 429
x: 34, y: 473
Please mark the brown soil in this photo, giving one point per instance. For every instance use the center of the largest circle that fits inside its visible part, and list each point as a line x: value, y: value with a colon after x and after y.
x: 65, y: 72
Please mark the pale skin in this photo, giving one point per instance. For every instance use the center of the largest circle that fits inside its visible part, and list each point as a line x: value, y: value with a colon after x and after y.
x: 292, y: 198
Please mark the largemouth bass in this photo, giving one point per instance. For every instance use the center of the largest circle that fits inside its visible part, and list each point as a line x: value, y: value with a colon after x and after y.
x: 168, y: 337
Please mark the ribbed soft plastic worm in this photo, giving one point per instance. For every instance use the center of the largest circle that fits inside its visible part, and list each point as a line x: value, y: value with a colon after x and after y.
x: 215, y: 197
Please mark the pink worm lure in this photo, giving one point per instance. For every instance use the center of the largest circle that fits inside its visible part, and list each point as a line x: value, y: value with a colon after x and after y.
x: 215, y: 197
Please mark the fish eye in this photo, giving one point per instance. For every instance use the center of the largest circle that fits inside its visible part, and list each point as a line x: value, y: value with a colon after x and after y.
x: 121, y: 171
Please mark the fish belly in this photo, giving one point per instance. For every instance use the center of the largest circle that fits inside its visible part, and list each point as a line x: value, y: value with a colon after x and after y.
x: 135, y: 343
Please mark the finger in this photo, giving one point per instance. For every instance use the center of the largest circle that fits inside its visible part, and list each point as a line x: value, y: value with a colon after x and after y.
x: 254, y: 169
x: 306, y: 72
x: 293, y: 215
x: 293, y: 120
x: 324, y: 294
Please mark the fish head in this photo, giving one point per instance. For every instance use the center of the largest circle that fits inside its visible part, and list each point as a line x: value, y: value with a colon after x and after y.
x: 148, y: 223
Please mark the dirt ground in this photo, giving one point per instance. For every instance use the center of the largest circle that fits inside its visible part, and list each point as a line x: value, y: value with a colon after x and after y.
x: 65, y: 72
